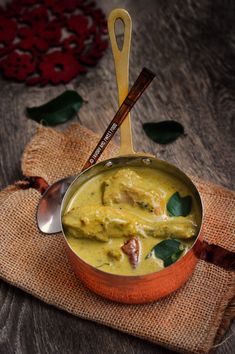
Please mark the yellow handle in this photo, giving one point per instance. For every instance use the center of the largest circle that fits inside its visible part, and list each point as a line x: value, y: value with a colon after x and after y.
x: 121, y: 60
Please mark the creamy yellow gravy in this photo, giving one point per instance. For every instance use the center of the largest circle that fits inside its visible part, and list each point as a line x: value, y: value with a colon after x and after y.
x: 96, y: 252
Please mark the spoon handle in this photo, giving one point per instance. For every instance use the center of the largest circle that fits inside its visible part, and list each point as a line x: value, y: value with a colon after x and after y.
x: 121, y: 63
x: 140, y: 85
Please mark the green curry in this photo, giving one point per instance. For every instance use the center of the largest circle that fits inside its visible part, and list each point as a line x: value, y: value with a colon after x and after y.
x: 115, y: 219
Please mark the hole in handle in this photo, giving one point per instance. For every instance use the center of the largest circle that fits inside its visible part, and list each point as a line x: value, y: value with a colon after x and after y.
x: 119, y: 27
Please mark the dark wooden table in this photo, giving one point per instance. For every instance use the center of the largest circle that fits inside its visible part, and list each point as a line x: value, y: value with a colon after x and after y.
x: 191, y: 46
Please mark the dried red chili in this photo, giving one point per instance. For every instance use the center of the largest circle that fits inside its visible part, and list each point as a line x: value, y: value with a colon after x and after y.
x: 132, y: 249
x: 60, y: 67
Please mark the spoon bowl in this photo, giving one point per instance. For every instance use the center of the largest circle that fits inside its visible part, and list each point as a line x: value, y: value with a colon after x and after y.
x: 48, y: 212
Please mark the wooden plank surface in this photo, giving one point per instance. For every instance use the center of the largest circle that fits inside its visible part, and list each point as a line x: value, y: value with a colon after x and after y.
x: 191, y: 47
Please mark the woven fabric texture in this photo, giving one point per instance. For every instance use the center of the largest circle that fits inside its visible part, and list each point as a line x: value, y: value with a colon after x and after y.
x: 186, y: 321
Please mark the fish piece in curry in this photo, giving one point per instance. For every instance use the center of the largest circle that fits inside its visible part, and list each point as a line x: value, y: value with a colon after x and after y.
x: 127, y: 187
x: 102, y: 222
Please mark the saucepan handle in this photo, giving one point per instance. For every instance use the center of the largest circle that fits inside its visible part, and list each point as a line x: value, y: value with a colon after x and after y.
x: 121, y: 60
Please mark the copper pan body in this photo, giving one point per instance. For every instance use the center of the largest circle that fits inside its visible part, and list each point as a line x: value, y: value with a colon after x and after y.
x: 142, y: 288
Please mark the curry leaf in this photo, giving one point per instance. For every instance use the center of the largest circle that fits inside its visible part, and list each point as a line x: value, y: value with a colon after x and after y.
x: 59, y: 110
x: 168, y: 251
x: 163, y: 132
x: 179, y: 206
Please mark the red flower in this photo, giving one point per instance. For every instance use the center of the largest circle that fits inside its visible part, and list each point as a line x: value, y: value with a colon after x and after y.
x: 18, y: 66
x: 23, y: 2
x: 38, y: 15
x: 73, y: 43
x: 11, y: 9
x: 39, y: 36
x: 100, y: 19
x: 79, y: 25
x: 91, y: 56
x: 8, y: 30
x: 61, y: 6
x: 59, y: 67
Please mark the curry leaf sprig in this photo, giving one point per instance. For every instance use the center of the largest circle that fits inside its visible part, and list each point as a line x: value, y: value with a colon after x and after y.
x: 163, y: 132
x: 179, y: 206
x: 57, y: 111
x: 169, y: 251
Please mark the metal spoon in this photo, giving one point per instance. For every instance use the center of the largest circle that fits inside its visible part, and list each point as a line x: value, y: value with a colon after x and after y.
x: 48, y: 212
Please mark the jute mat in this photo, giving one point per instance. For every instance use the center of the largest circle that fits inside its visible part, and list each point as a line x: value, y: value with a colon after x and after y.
x: 190, y: 320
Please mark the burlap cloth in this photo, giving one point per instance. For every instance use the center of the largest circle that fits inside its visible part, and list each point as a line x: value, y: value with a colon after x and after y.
x: 190, y: 320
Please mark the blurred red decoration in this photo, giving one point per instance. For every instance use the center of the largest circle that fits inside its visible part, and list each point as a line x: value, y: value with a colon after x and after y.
x: 50, y: 41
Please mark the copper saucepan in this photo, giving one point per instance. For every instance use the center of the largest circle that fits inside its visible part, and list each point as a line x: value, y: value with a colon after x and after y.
x: 141, y: 288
